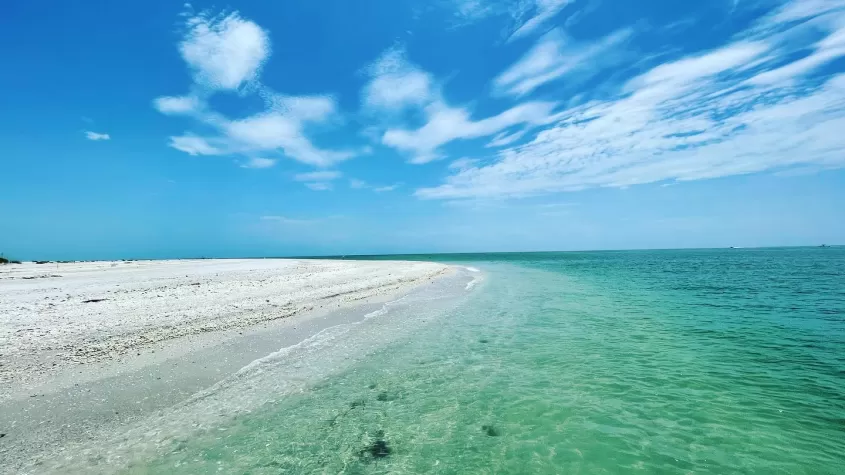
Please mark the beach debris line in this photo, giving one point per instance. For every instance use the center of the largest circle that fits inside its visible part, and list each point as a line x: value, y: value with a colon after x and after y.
x: 93, y: 300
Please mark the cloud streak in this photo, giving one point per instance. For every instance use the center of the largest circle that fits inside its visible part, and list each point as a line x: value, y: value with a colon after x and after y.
x: 259, y: 163
x: 445, y: 124
x: 541, y: 12
x: 319, y: 180
x: 96, y: 136
x: 318, y: 176
x: 730, y: 111
x: 396, y: 85
x: 552, y: 59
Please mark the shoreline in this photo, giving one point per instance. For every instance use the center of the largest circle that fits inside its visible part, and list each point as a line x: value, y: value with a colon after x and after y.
x: 92, y: 315
x: 70, y: 406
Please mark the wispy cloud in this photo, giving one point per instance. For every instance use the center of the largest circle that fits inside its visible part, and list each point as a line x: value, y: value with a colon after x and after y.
x: 357, y: 184
x: 463, y: 163
x: 319, y: 180
x: 177, y: 105
x: 318, y: 176
x: 505, y: 138
x: 473, y: 10
x: 194, y: 145
x: 445, y: 124
x: 553, y: 58
x: 536, y: 13
x: 96, y: 136
x: 383, y: 189
x: 258, y: 162
x: 227, y: 52
x: 395, y: 83
x: 527, y: 16
x: 319, y: 186
x: 717, y: 113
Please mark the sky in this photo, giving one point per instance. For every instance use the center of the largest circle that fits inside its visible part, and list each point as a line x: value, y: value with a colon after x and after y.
x: 164, y: 129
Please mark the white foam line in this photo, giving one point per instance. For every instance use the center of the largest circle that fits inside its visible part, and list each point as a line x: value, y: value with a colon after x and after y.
x: 323, y: 336
x: 472, y: 269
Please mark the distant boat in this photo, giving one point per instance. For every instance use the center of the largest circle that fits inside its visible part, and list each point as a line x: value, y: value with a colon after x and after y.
x: 734, y: 247
x: 824, y: 245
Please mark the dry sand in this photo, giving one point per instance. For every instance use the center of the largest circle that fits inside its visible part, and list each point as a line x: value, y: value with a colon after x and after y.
x: 66, y: 324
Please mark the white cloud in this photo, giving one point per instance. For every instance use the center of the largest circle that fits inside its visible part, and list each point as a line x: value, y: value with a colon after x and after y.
x: 396, y: 86
x: 318, y: 176
x: 542, y: 11
x: 357, y: 184
x: 257, y: 162
x: 276, y: 131
x: 551, y: 58
x: 698, y: 117
x: 472, y: 10
x: 302, y: 108
x: 825, y: 50
x: 463, y: 163
x: 319, y: 186
x: 445, y: 124
x: 505, y: 138
x: 176, y: 105
x: 361, y: 185
x: 193, y: 145
x: 799, y: 10
x: 383, y: 189
x: 733, y: 58
x: 319, y: 180
x: 96, y: 136
x: 224, y: 51
x: 395, y: 83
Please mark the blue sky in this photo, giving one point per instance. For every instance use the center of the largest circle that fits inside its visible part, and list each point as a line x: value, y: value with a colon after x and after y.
x: 162, y: 129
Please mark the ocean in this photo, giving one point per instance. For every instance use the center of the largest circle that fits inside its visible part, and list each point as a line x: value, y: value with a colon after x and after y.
x: 724, y: 361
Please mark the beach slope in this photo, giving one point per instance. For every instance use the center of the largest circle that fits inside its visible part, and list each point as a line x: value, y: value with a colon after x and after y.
x: 58, y: 321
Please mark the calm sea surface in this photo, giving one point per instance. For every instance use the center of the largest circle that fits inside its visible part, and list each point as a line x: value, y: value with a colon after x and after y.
x: 651, y: 362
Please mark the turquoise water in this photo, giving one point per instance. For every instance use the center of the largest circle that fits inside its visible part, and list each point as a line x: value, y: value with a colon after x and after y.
x: 662, y: 362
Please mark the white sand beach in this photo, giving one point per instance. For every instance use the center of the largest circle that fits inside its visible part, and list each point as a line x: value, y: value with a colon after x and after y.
x: 95, y: 348
x: 57, y: 320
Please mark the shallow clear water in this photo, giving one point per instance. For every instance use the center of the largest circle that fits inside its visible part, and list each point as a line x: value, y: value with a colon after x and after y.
x: 669, y: 362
